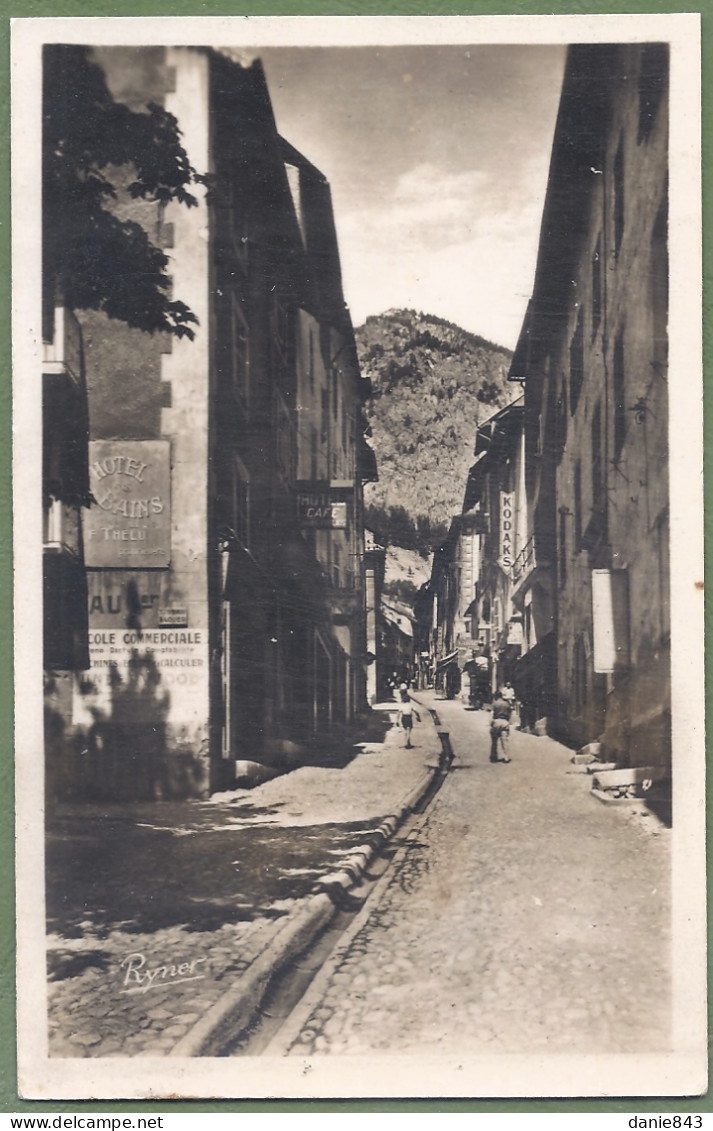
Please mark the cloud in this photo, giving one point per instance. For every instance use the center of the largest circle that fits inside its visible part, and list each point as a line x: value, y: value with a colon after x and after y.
x: 425, y: 208
x: 429, y: 208
x: 458, y: 244
x: 482, y: 283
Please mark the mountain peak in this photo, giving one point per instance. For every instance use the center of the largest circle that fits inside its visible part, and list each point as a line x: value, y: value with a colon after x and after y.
x: 433, y: 383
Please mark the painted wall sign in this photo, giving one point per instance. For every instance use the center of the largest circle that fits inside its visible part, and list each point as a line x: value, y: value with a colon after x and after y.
x: 157, y: 675
x: 129, y: 527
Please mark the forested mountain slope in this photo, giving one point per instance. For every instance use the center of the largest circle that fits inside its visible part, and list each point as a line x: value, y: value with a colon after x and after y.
x: 433, y: 383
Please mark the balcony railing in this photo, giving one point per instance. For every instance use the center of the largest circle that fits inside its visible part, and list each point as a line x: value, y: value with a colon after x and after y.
x: 525, y: 561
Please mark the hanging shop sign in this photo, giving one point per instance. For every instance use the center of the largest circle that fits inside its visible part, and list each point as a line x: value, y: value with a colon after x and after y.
x: 610, y: 619
x: 507, y: 525
x: 321, y: 507
x: 129, y: 525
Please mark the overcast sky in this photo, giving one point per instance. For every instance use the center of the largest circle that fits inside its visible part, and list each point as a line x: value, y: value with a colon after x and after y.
x: 437, y: 158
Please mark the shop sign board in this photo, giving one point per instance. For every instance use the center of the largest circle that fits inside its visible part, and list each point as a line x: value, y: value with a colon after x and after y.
x: 174, y: 617
x: 610, y: 619
x: 129, y: 525
x: 506, y: 530
x: 321, y: 507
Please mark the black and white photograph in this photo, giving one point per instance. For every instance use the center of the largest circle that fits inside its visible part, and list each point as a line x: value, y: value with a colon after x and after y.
x: 358, y: 509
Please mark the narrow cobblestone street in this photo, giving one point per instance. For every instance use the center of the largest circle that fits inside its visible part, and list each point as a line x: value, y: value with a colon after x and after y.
x: 523, y: 915
x: 157, y: 910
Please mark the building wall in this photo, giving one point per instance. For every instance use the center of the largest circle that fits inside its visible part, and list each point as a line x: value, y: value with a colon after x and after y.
x: 223, y: 629
x: 496, y: 513
x: 597, y: 397
x: 141, y: 714
x: 374, y: 568
x: 328, y: 408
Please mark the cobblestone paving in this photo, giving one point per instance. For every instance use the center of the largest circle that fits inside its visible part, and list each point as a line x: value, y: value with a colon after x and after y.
x: 157, y: 910
x: 106, y: 1011
x: 525, y: 916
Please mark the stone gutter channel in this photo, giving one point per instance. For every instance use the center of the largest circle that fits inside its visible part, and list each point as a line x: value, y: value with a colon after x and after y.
x: 239, y: 1006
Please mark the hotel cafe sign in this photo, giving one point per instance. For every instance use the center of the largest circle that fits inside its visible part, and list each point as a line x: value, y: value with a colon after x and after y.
x: 323, y: 506
x: 128, y: 526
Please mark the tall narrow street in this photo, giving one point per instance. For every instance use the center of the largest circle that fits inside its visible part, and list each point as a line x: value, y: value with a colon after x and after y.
x: 361, y: 672
x: 509, y: 923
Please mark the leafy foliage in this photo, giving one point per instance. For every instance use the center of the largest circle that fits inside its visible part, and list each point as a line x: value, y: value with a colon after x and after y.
x: 394, y: 526
x: 402, y: 589
x: 96, y: 151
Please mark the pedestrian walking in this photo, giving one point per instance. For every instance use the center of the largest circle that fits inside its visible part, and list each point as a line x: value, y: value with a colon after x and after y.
x: 508, y: 694
x: 500, y: 728
x: 406, y: 714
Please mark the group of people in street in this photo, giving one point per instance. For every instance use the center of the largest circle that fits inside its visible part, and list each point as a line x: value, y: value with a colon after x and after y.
x: 501, y: 708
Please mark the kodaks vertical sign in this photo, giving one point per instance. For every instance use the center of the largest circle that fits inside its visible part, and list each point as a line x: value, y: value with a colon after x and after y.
x: 128, y: 526
x: 507, y: 525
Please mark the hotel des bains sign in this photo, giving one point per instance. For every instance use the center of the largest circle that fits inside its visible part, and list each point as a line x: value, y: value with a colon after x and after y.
x: 128, y: 526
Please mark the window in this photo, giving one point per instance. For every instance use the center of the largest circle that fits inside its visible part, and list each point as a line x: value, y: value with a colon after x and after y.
x: 658, y: 287
x: 619, y: 198
x: 597, y: 286
x: 562, y: 548
x: 576, y: 363
x: 240, y: 352
x: 579, y: 677
x: 336, y: 374
x: 619, y: 398
x: 540, y: 435
x: 496, y: 615
x: 226, y: 652
x: 562, y: 414
x: 280, y: 328
x: 597, y: 462
x: 314, y: 449
x: 577, y: 505
x: 241, y: 503
x: 662, y: 535
x: 284, y: 441
x: 236, y: 202
x: 311, y: 358
x: 294, y: 181
x: 325, y: 416
x: 652, y: 83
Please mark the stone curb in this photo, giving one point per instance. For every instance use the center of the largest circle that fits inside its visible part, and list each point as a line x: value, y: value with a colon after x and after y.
x: 237, y: 1007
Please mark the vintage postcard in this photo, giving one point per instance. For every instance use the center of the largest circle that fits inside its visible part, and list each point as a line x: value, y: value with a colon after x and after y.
x: 358, y: 553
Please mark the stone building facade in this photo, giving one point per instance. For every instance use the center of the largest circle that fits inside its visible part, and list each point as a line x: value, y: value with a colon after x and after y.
x: 593, y: 358
x: 226, y: 622
x: 495, y: 497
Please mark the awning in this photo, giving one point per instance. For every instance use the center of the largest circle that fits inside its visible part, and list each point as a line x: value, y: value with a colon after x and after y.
x: 451, y: 658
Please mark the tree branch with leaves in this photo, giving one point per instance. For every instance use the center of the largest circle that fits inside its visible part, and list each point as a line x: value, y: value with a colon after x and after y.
x: 94, y: 150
